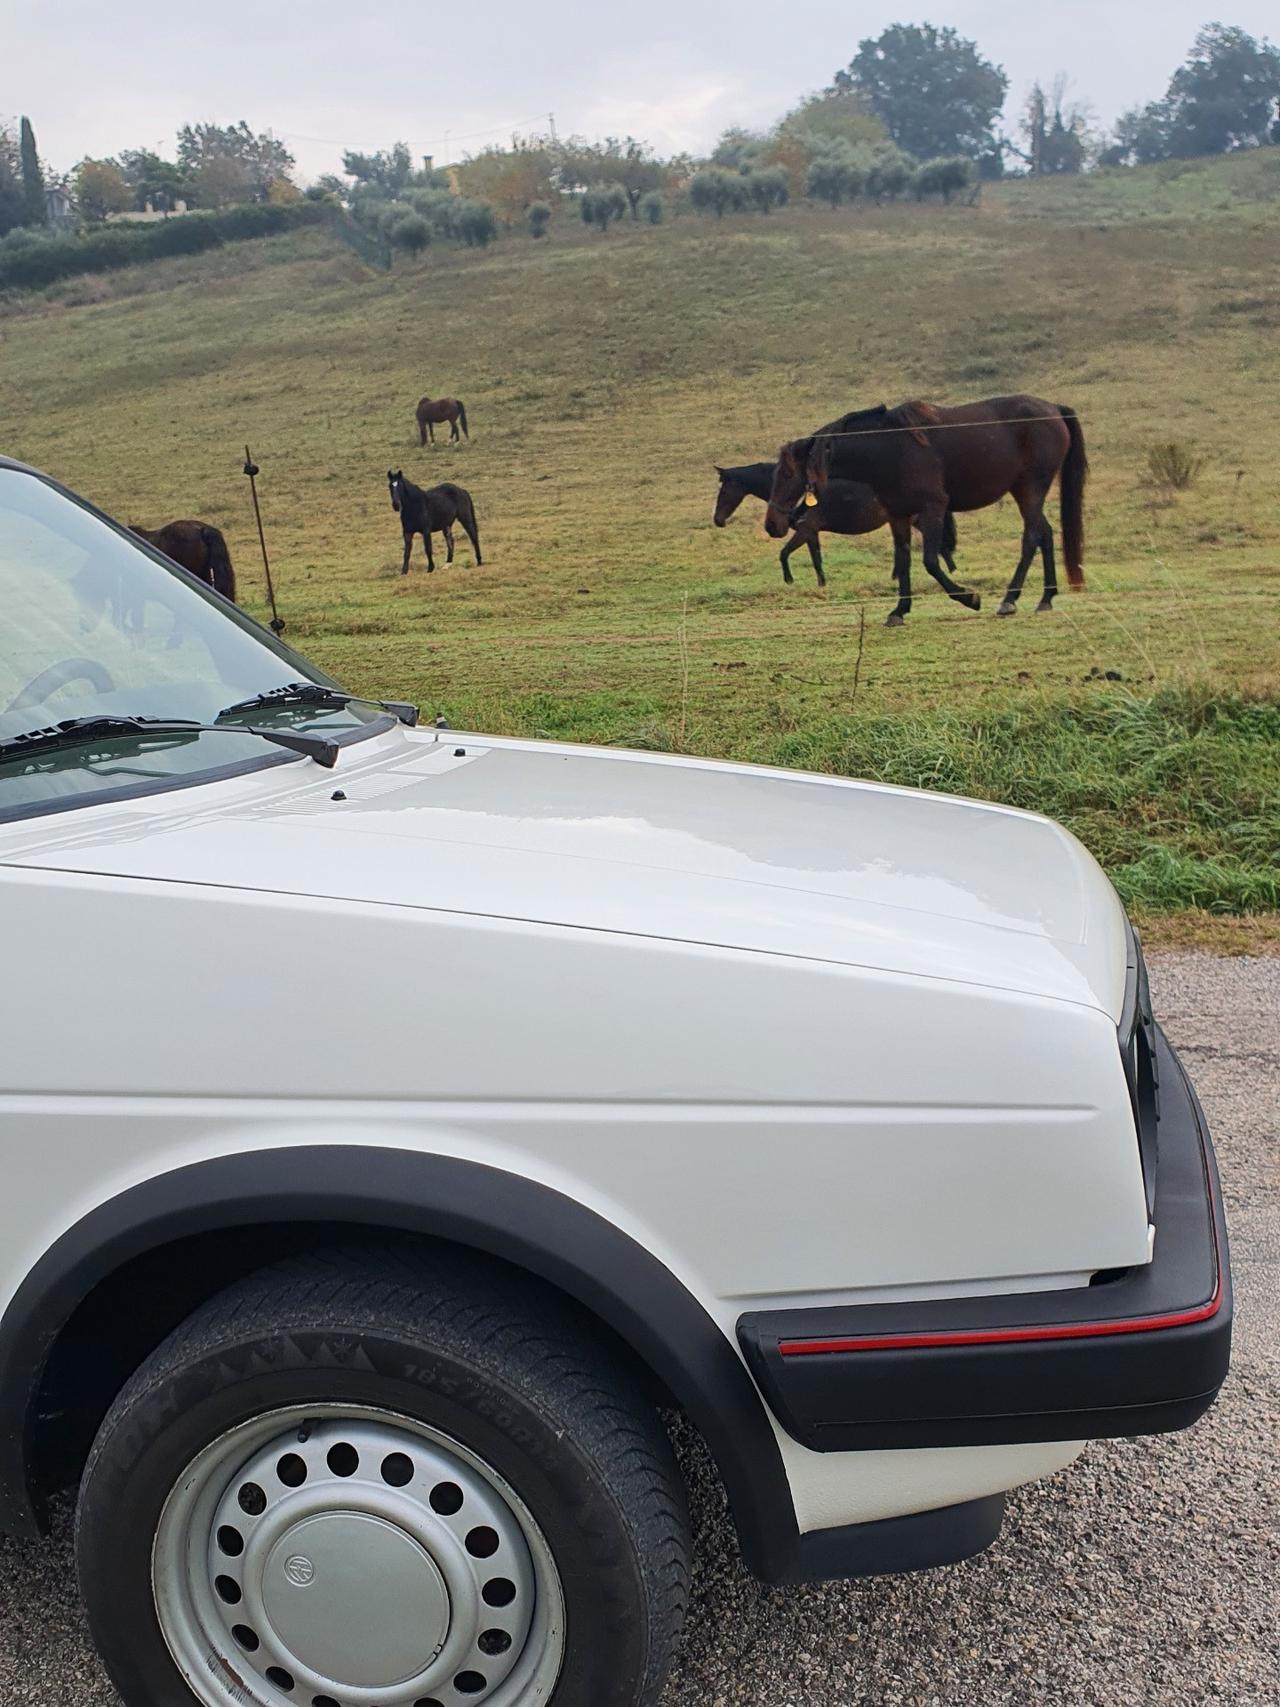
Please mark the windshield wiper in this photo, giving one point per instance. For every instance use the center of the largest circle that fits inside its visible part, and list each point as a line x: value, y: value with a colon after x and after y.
x: 77, y: 731
x: 315, y: 693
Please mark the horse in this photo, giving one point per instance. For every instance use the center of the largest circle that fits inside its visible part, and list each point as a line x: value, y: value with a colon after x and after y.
x: 921, y: 460
x: 197, y: 547
x: 845, y: 506
x: 433, y: 511
x: 434, y: 411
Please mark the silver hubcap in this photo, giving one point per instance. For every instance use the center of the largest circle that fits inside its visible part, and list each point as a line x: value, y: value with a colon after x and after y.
x: 354, y: 1559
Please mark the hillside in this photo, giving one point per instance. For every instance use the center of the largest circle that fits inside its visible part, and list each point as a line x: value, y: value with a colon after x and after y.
x: 604, y: 376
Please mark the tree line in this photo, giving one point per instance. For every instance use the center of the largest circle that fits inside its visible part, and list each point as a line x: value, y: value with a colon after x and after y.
x: 916, y: 112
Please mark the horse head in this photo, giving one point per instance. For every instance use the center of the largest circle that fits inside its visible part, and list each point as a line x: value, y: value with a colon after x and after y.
x: 802, y: 469
x: 729, y: 496
x: 396, y: 483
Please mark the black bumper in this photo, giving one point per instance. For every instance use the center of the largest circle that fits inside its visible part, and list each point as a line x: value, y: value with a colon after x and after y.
x: 1141, y: 1353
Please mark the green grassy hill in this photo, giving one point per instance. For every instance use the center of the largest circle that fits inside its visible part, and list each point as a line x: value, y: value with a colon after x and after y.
x: 603, y: 378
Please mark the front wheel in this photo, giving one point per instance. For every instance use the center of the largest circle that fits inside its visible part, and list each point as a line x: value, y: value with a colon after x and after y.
x: 351, y: 1482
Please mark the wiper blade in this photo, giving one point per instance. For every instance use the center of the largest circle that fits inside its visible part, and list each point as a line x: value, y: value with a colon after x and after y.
x: 315, y: 693
x: 77, y: 731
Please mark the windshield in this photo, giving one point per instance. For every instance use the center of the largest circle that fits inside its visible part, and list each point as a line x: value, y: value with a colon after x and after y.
x: 92, y: 624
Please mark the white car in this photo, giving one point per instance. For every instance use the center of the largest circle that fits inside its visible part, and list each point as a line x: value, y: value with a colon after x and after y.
x: 399, y: 1126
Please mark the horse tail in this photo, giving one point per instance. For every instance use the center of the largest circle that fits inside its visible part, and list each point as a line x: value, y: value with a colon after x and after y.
x: 1075, y: 471
x: 462, y: 416
x: 222, y: 577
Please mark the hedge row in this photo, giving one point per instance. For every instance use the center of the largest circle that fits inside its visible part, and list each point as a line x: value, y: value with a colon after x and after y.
x: 30, y: 261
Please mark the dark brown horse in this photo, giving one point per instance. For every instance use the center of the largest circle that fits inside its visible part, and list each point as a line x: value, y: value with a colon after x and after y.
x: 920, y: 461
x: 433, y: 412
x: 432, y: 511
x: 198, y: 548
x: 845, y: 506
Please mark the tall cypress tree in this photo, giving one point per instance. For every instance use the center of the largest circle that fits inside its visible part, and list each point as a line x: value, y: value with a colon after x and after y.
x: 32, y: 178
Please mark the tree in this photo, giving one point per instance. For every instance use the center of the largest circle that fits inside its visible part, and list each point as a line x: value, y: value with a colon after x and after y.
x: 34, y: 211
x: 1056, y: 131
x: 933, y: 90
x: 889, y: 173
x: 11, y: 200
x: 945, y: 177
x: 1225, y: 96
x: 474, y: 223
x: 603, y: 204
x: 231, y: 161
x: 389, y: 169
x: 411, y: 233
x: 739, y: 149
x: 838, y: 171
x: 1222, y: 99
x: 539, y: 218
x: 101, y: 188
x: 713, y: 190
x: 153, y: 179
x: 623, y: 161
x: 843, y: 113
x: 511, y: 178
x: 653, y: 207
x: 766, y: 188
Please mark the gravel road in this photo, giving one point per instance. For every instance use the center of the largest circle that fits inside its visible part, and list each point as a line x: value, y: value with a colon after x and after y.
x: 1147, y: 1573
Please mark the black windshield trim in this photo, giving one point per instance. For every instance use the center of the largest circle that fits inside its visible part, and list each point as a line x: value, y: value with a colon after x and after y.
x: 192, y: 779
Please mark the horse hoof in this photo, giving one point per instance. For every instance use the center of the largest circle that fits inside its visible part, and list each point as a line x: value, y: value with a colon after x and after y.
x: 971, y: 601
x: 1008, y: 608
x: 893, y: 620
x: 1045, y: 604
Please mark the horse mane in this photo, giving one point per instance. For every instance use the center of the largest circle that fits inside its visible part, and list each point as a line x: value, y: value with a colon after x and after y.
x: 915, y: 414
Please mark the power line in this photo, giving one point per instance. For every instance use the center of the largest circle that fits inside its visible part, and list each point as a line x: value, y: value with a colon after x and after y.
x: 428, y: 142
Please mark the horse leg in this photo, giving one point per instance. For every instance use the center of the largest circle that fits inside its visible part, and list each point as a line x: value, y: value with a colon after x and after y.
x: 422, y: 432
x: 408, y: 548
x: 1050, y: 572
x: 1031, y: 503
x: 448, y: 540
x: 901, y: 571
x: 472, y: 532
x: 426, y: 541
x: 784, y: 557
x: 815, y: 554
x: 931, y: 533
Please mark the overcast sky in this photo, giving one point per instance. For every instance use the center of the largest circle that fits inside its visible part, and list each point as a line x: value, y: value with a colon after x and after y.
x: 331, y: 74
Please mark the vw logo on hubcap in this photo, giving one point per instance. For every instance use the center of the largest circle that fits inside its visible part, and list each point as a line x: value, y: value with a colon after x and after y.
x: 299, y: 1570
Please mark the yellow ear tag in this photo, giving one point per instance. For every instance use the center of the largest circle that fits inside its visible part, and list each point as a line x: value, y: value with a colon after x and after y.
x: 811, y: 498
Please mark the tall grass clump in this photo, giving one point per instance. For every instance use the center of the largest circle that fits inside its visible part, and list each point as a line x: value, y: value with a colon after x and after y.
x: 1174, y: 465
x: 1176, y: 793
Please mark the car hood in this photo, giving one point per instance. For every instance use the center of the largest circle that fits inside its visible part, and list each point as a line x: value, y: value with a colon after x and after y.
x: 731, y: 856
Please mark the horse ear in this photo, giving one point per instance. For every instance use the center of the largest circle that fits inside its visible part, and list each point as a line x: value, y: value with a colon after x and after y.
x: 718, y: 469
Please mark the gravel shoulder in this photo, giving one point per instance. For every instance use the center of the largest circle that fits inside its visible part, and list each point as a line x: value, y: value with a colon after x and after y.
x: 1147, y: 1573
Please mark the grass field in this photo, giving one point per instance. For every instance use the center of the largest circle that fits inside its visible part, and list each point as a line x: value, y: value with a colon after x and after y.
x: 603, y: 378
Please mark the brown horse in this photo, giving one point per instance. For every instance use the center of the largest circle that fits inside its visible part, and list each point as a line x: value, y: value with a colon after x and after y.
x: 845, y: 506
x: 197, y: 547
x: 434, y: 411
x: 920, y: 461
x: 432, y: 511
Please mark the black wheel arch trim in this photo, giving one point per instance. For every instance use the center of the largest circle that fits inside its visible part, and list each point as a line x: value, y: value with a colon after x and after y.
x: 486, y: 1209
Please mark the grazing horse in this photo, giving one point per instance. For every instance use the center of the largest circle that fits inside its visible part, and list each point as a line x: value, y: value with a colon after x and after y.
x: 198, y: 548
x: 845, y: 506
x: 920, y: 460
x: 434, y: 411
x: 433, y: 511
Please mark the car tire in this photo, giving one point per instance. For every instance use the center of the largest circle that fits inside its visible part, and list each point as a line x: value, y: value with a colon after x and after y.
x: 347, y: 1391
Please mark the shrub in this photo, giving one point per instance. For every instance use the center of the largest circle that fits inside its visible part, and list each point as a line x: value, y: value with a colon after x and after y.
x: 411, y: 233
x: 538, y: 216
x: 653, y: 208
x: 889, y: 174
x: 714, y: 190
x: 602, y: 204
x: 944, y: 177
x: 1174, y: 464
x: 838, y: 171
x: 766, y: 188
x: 33, y: 266
x: 474, y: 223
